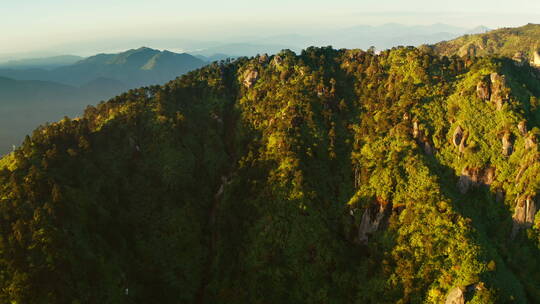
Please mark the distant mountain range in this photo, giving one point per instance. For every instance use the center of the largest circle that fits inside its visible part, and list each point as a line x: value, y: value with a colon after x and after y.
x: 134, y: 68
x: 37, y: 90
x: 41, y: 63
x: 30, y: 97
x: 363, y: 36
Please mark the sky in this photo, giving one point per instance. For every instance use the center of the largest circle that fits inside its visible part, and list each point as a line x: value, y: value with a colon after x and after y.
x: 85, y: 27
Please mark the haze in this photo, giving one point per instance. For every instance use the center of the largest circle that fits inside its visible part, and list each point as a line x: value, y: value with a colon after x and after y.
x: 39, y: 27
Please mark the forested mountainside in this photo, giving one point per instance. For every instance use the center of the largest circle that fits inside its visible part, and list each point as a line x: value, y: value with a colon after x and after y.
x: 521, y: 43
x: 333, y: 176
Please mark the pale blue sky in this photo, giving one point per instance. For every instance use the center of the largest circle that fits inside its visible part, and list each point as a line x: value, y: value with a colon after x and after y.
x: 57, y: 25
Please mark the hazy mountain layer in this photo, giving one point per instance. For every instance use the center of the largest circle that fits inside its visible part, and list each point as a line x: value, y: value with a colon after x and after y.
x: 328, y: 177
x: 135, y: 68
x: 41, y: 63
x: 26, y: 104
x: 67, y: 90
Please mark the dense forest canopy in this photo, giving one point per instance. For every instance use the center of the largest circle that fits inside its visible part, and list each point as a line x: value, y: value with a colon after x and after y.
x: 331, y: 176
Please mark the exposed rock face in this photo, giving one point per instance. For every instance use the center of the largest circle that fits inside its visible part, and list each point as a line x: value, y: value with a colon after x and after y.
x: 488, y: 176
x: 536, y: 59
x: 530, y: 142
x: 455, y: 296
x: 483, y: 90
x: 507, y: 146
x: 371, y: 220
x: 467, y: 50
x: 467, y: 179
x: 493, y: 88
x: 421, y: 139
x: 250, y: 77
x: 522, y: 170
x: 277, y: 61
x: 522, y: 127
x: 524, y: 213
x: 459, y: 138
x: 263, y: 58
x: 498, y: 94
x: 474, y: 177
x: 416, y: 130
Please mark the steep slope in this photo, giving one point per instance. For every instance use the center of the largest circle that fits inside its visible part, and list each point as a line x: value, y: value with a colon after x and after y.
x: 328, y: 177
x: 502, y: 42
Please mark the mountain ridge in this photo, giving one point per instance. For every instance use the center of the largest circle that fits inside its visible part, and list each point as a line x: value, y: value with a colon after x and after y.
x: 328, y: 176
x: 126, y: 67
x: 502, y: 42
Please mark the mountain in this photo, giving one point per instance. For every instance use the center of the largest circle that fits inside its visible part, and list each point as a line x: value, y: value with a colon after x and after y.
x: 25, y: 104
x: 31, y: 97
x: 333, y: 176
x: 40, y: 63
x: 502, y: 42
x: 134, y: 68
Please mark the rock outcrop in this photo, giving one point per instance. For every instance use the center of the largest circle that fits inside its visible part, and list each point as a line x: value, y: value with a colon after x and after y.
x: 488, y: 176
x: 498, y: 90
x: 459, y: 138
x: 522, y: 127
x: 421, y: 139
x: 493, y: 88
x: 507, y: 146
x: 530, y: 141
x: 475, y: 177
x: 277, y: 61
x: 483, y: 90
x: 371, y: 220
x: 524, y: 213
x: 250, y: 77
x: 455, y: 296
x: 536, y: 59
x: 263, y: 58
x: 467, y: 179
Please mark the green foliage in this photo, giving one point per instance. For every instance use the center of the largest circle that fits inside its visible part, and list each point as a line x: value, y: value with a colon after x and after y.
x: 220, y: 189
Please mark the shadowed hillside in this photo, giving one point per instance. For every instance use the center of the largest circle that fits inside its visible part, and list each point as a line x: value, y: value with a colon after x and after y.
x: 333, y: 176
